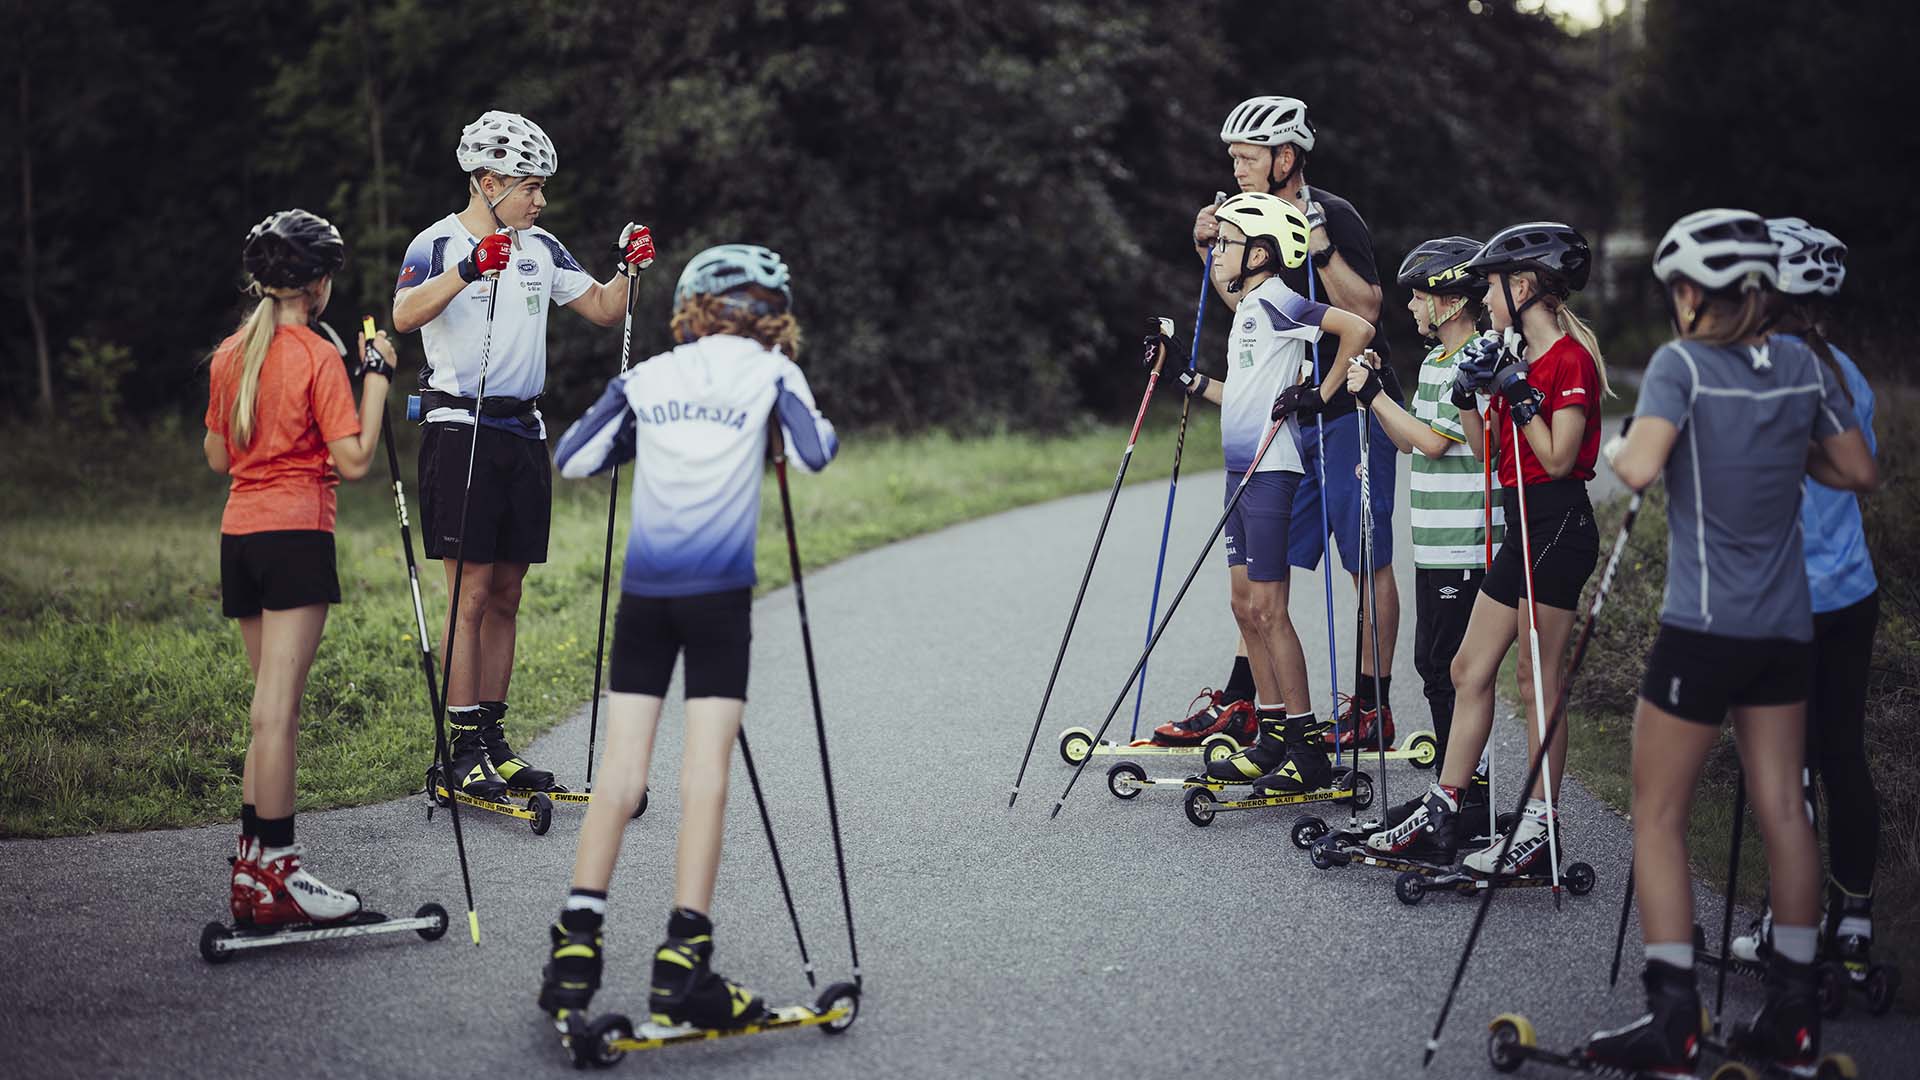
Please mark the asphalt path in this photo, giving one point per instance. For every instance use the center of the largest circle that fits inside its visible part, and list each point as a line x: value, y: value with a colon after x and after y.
x: 1117, y: 939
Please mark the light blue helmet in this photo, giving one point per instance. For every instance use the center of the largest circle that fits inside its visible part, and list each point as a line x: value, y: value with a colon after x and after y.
x: 729, y: 266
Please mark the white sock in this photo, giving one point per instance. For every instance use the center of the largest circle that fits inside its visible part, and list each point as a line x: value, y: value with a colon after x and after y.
x: 1484, y: 767
x: 1537, y: 808
x: 1673, y: 954
x: 1795, y: 943
x: 577, y: 902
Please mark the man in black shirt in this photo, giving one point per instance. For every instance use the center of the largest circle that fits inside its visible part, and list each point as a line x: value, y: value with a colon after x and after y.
x: 1269, y: 139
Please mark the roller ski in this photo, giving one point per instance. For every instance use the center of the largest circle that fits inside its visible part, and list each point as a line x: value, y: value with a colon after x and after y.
x: 1750, y: 962
x: 1783, y: 1038
x: 690, y: 1002
x: 480, y: 784
x: 1526, y: 866
x: 1846, y: 942
x: 1214, y: 730
x: 1362, y: 729
x: 1344, y: 847
x: 275, y: 901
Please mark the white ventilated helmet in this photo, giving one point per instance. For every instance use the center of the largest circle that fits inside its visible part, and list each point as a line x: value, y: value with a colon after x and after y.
x: 1812, y: 260
x: 1718, y: 249
x: 1269, y: 121
x: 506, y: 143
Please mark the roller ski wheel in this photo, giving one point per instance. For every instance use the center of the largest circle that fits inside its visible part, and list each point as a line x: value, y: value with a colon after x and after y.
x: 1308, y: 831
x: 220, y: 943
x: 559, y: 793
x: 1881, y: 987
x: 1218, y: 748
x: 1126, y: 780
x: 1422, y: 749
x: 1076, y: 743
x: 1200, y: 807
x: 541, y: 807
x: 1410, y: 887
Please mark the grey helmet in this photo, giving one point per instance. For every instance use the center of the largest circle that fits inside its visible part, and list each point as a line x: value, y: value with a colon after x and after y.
x: 726, y: 267
x: 508, y: 144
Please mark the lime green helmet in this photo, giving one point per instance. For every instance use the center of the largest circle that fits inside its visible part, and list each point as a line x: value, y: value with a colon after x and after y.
x: 1272, y: 218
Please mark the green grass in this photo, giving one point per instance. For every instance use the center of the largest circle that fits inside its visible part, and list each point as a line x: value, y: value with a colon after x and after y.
x: 123, y: 693
x: 1600, y: 750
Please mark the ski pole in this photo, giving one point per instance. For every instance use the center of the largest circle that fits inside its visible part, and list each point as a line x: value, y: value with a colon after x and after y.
x: 1153, y: 378
x: 606, y: 558
x: 1539, y: 761
x: 1173, y: 482
x: 779, y: 868
x: 1539, y: 674
x: 813, y: 687
x: 1620, y: 936
x: 1371, y: 612
x: 1733, y: 879
x: 1486, y: 504
x: 466, y: 504
x: 1219, y: 526
x: 1326, y: 551
x: 426, y: 649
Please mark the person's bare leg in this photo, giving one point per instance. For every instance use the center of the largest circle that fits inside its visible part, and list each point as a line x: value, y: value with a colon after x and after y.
x: 499, y: 631
x: 1771, y: 739
x: 712, y: 725
x: 1667, y: 755
x: 632, y: 722
x: 1266, y: 684
x: 476, y: 583
x: 288, y: 640
x: 1476, y: 666
x: 1269, y: 624
x: 1556, y: 626
x: 250, y: 637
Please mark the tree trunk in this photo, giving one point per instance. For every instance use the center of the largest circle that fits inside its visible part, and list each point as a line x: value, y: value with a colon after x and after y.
x: 30, y: 252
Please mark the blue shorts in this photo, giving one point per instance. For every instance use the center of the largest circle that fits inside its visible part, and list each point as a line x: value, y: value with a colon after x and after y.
x: 1343, y: 487
x: 1257, y: 529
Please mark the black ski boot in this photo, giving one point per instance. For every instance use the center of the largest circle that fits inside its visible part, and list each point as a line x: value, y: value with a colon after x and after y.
x: 511, y: 766
x: 1786, y: 1030
x: 1308, y: 765
x: 1666, y: 1041
x: 473, y: 773
x: 1849, y: 931
x: 1265, y: 755
x: 686, y: 989
x: 1424, y: 830
x: 572, y: 973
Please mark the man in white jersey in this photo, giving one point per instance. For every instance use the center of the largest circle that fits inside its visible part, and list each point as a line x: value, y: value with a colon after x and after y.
x: 1266, y: 361
x: 447, y: 290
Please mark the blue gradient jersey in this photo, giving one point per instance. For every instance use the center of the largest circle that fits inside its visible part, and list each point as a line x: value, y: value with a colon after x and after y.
x: 1839, y: 568
x: 539, y: 274
x: 1266, y: 350
x: 695, y: 422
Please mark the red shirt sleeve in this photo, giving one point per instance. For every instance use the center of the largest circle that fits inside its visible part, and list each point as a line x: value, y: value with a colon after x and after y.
x: 332, y: 397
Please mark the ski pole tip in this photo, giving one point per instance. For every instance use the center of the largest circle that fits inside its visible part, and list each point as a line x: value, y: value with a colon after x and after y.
x: 1012, y: 798
x: 1055, y: 812
x: 473, y: 925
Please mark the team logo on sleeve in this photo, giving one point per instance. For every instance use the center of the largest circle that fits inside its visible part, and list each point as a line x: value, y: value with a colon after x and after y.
x: 410, y: 274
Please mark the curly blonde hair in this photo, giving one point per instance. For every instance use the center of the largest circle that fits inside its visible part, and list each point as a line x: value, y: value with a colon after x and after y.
x: 703, y: 315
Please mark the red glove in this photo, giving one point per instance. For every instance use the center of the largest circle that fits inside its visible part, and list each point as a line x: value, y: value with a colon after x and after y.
x: 489, y: 257
x: 636, y: 248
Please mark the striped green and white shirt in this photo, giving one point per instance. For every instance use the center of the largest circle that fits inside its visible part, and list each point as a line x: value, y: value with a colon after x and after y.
x: 1449, y: 516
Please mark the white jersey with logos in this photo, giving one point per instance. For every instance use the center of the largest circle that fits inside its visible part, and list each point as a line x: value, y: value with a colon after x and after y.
x: 1266, y: 351
x: 540, y: 273
x: 694, y: 422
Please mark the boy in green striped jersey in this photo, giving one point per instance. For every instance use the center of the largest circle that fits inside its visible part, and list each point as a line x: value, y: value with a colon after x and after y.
x: 1450, y: 522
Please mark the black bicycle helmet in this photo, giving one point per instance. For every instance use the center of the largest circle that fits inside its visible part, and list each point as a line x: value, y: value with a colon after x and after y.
x: 292, y: 248
x: 1555, y: 251
x: 1444, y: 267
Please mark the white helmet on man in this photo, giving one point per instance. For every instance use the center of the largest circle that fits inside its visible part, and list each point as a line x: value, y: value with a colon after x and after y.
x: 1812, y: 260
x: 1718, y: 249
x: 1269, y: 121
x: 508, y: 144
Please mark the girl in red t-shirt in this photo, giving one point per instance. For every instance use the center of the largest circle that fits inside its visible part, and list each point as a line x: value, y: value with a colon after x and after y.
x: 1555, y: 402
x: 281, y: 423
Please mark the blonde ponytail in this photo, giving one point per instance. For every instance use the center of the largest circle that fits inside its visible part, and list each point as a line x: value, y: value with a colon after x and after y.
x: 256, y: 334
x: 1576, y: 328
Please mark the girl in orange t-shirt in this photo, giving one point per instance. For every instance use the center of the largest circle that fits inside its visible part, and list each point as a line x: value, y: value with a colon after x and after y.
x: 281, y: 423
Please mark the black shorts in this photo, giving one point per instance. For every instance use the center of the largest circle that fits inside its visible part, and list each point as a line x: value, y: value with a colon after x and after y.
x: 1566, y: 547
x: 1698, y: 677
x: 511, y: 504
x: 715, y: 630
x: 276, y: 571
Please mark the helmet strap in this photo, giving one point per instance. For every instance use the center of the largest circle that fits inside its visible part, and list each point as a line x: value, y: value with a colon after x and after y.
x: 473, y: 180
x: 1276, y: 184
x: 1514, y: 313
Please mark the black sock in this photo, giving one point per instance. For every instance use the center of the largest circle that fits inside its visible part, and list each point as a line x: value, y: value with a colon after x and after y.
x: 249, y: 820
x: 1240, y: 683
x: 274, y: 832
x: 686, y: 923
x: 1364, y: 693
x: 495, y: 711
x: 585, y: 909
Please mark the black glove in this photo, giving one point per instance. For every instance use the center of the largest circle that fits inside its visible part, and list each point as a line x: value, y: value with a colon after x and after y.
x: 1510, y: 382
x: 1193, y: 382
x: 1300, y: 399
x: 1371, y: 388
x: 1159, y: 344
x: 1474, y: 372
